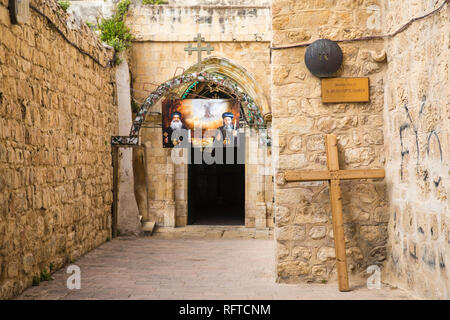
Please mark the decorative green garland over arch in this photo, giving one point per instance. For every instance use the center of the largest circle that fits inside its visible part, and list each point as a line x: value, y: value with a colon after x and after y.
x: 254, y: 116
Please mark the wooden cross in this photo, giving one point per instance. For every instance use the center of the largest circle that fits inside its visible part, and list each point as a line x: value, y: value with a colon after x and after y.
x: 199, y: 48
x: 334, y: 175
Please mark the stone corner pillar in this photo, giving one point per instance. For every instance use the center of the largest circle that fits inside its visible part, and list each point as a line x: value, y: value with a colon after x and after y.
x: 128, y: 213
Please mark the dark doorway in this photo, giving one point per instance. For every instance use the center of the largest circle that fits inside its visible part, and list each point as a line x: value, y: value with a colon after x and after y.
x: 216, y: 192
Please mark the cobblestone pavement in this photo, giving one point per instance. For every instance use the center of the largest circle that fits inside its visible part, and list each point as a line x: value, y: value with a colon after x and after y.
x: 151, y: 268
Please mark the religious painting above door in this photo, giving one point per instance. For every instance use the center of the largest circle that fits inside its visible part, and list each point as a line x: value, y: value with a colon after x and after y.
x: 200, y: 122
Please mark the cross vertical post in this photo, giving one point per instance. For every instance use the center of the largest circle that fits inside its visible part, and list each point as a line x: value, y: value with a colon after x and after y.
x: 336, y: 211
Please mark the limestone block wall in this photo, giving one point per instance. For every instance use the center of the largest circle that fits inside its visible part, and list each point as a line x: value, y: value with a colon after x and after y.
x: 156, y: 62
x: 416, y: 108
x: 128, y: 221
x: 57, y: 115
x: 237, y: 20
x: 91, y: 10
x: 220, y: 2
x: 303, y: 232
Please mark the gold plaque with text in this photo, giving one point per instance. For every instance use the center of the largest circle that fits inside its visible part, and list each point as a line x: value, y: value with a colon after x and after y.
x: 345, y: 90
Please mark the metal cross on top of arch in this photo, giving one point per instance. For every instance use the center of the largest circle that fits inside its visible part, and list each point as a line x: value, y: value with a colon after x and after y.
x: 253, y: 114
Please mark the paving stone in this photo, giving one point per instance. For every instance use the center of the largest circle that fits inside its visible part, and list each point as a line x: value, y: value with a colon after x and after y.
x: 167, y: 269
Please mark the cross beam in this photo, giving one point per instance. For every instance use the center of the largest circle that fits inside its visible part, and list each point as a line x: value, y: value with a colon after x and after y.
x: 317, y: 175
x: 199, y: 48
x: 334, y: 175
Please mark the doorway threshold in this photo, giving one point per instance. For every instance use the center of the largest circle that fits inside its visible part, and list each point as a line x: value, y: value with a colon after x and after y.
x: 212, y: 232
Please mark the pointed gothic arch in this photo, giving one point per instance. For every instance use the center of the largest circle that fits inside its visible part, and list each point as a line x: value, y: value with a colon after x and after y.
x: 216, y: 70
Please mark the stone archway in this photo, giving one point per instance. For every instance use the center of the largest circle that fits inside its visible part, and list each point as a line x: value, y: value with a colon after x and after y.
x: 239, y: 75
x: 224, y: 73
x: 218, y: 70
x: 254, y: 115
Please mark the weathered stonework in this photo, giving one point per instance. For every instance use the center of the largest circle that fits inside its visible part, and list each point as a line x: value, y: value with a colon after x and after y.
x: 215, y: 20
x: 300, y: 121
x: 416, y: 106
x: 57, y: 114
x: 403, y: 129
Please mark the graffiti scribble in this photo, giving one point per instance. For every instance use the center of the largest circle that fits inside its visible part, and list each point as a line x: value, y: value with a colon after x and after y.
x: 436, y: 183
x: 404, y: 150
x: 433, y: 132
x: 415, y: 132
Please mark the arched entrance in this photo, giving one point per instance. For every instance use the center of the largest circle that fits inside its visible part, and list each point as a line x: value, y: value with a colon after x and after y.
x: 216, y: 191
x: 168, y: 195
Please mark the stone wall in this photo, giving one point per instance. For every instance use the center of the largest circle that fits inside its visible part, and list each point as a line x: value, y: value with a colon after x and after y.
x: 416, y: 108
x: 304, y: 234
x: 57, y: 115
x: 128, y: 222
x: 220, y: 2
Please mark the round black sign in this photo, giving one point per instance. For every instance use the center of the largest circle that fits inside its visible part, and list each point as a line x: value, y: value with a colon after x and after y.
x: 323, y: 58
